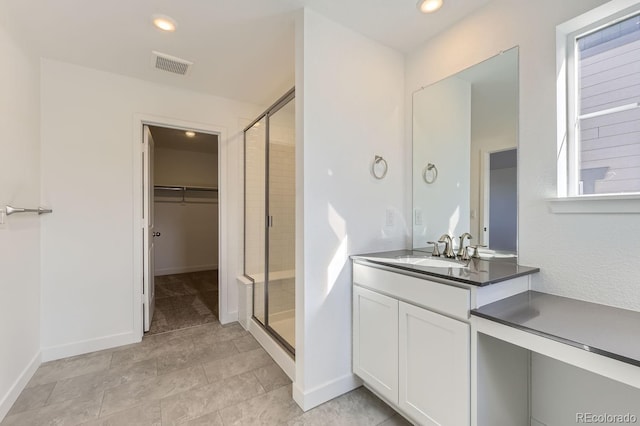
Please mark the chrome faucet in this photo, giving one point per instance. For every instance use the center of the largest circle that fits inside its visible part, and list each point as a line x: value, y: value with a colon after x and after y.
x: 463, y: 253
x: 448, y: 246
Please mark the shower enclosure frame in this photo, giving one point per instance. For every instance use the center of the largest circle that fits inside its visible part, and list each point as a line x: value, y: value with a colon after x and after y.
x: 275, y: 107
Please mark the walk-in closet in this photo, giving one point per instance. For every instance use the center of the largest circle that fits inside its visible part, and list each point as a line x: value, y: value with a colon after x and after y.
x: 185, y: 228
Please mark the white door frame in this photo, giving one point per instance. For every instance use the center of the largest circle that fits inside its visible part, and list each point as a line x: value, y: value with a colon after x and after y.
x: 485, y: 192
x: 139, y: 121
x: 148, y: 232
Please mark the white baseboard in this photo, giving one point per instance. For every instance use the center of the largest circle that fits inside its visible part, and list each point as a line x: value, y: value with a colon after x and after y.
x: 84, y: 347
x: 325, y: 392
x: 279, y: 355
x: 18, y: 386
x: 184, y: 269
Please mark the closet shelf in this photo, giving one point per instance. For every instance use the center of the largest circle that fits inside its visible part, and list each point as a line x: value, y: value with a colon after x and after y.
x: 181, y: 191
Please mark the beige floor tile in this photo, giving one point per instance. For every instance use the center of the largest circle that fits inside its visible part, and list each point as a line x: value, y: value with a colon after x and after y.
x: 208, y: 399
x: 273, y: 408
x: 224, y: 333
x: 358, y: 407
x: 211, y: 419
x: 271, y: 377
x: 246, y: 343
x: 152, y: 348
x: 32, y: 397
x: 66, y: 413
x: 130, y: 394
x: 142, y: 415
x: 70, y: 367
x: 396, y: 420
x: 94, y: 383
x: 223, y: 368
x: 191, y: 356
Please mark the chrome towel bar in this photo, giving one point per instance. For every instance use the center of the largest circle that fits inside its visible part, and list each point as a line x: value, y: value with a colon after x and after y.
x: 9, y: 210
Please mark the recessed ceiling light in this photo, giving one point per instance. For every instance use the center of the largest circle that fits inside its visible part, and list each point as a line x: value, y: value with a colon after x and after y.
x: 429, y: 6
x: 164, y: 23
x: 189, y: 134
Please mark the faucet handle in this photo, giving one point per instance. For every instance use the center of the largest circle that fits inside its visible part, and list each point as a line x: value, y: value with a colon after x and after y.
x: 463, y: 253
x: 435, y: 251
x: 475, y: 254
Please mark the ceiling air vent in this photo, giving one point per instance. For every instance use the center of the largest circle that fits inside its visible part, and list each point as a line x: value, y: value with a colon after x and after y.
x: 169, y: 63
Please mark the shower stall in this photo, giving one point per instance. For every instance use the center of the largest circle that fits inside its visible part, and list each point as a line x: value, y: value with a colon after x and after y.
x: 269, y: 218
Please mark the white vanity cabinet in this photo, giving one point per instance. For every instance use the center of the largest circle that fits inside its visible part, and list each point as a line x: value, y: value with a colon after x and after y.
x: 375, y: 348
x: 434, y: 367
x: 411, y: 340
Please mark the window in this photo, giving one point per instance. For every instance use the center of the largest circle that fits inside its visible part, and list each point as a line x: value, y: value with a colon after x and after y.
x: 603, y: 108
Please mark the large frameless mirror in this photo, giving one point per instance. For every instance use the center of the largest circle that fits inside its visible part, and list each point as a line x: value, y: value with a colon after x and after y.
x: 465, y: 150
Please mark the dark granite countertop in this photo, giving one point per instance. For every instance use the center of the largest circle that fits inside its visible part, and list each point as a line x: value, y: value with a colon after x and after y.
x: 601, y: 329
x: 479, y: 272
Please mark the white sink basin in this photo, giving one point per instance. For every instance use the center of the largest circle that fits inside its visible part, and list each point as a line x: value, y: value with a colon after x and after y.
x: 431, y: 262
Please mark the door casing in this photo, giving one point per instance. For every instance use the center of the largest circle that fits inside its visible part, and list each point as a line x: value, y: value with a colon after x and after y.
x: 224, y: 261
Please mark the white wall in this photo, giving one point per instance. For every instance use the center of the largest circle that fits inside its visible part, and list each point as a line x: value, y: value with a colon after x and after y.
x: 588, y: 256
x: 188, y: 238
x: 350, y: 108
x: 20, y: 235
x: 87, y: 174
x: 181, y: 167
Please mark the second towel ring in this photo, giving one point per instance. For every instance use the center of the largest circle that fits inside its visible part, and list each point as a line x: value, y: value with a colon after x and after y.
x: 434, y: 173
x: 379, y: 160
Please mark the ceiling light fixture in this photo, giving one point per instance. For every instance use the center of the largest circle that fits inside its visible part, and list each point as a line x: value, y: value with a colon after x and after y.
x: 189, y: 133
x: 429, y: 6
x: 164, y: 23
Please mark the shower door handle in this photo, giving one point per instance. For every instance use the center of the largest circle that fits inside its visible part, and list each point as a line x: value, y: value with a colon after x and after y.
x: 269, y: 221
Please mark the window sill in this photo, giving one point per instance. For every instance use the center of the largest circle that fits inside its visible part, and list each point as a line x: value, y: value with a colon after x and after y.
x: 596, y: 204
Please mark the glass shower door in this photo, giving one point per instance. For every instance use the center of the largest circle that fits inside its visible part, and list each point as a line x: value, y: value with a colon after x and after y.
x: 269, y: 234
x: 281, y: 223
x: 255, y: 139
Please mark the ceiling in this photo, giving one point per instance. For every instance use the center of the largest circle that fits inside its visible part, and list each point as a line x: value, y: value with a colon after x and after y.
x: 242, y: 50
x: 164, y: 137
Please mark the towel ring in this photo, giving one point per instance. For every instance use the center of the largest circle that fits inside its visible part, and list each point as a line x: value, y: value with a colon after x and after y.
x: 434, y: 173
x: 379, y: 160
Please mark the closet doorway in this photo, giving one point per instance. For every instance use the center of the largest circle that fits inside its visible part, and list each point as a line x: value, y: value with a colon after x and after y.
x: 181, y: 232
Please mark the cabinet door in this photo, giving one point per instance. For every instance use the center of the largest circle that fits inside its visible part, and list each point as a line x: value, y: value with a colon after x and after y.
x: 375, y: 341
x: 434, y: 367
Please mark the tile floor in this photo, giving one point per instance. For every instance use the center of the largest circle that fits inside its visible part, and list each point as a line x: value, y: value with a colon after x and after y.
x: 204, y: 375
x: 185, y: 300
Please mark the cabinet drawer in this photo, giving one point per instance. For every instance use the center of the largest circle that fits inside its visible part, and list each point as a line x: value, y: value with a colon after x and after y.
x: 438, y: 297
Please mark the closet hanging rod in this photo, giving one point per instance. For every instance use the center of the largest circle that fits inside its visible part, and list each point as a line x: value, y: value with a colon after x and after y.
x: 185, y: 202
x: 185, y: 188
